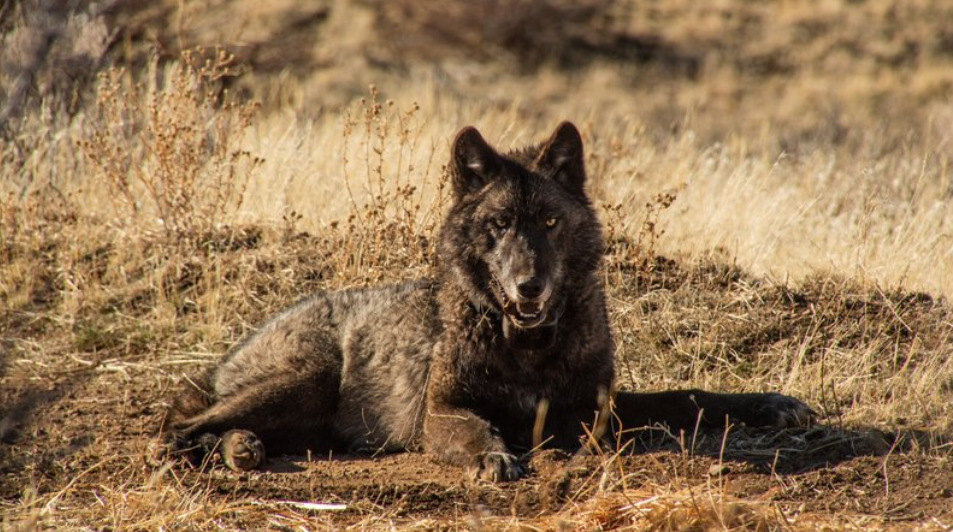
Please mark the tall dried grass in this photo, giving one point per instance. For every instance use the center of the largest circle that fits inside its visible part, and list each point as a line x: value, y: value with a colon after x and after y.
x: 165, y: 152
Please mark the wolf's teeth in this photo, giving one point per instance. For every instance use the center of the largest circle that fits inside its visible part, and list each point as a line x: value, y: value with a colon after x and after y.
x: 531, y: 308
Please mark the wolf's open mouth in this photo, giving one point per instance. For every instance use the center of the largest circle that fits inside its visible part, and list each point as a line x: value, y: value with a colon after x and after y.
x: 523, y: 314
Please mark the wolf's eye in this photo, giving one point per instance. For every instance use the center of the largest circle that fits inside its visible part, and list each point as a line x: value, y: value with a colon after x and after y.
x: 501, y: 223
x: 551, y: 222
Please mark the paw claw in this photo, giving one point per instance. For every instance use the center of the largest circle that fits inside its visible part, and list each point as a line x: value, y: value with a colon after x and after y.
x: 164, y: 448
x: 497, y: 467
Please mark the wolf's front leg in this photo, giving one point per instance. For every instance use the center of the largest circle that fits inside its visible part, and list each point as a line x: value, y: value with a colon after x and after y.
x: 461, y: 437
x: 458, y: 435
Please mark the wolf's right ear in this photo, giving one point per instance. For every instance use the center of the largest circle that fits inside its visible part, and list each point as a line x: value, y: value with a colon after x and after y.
x: 474, y: 162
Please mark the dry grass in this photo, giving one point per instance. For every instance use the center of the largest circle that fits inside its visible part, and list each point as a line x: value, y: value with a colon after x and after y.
x: 165, y: 152
x: 794, y: 162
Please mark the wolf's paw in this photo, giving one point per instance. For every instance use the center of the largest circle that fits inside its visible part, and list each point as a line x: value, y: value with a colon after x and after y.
x: 783, y: 412
x: 242, y: 450
x: 791, y: 412
x: 497, y: 467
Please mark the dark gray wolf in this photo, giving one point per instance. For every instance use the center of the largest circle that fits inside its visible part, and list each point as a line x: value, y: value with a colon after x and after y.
x: 458, y: 366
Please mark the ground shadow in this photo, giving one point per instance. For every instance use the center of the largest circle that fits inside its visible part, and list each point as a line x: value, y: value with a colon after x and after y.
x: 789, y: 451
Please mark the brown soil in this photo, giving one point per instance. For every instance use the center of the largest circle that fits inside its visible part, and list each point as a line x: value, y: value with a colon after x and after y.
x: 84, y: 434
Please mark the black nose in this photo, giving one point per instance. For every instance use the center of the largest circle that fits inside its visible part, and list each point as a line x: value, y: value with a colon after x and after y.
x: 531, y: 288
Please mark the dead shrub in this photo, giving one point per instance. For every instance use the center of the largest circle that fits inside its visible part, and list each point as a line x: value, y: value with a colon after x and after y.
x: 391, y: 225
x: 168, y: 151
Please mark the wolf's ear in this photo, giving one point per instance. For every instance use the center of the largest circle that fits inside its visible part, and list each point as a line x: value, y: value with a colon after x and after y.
x: 562, y: 154
x: 475, y: 163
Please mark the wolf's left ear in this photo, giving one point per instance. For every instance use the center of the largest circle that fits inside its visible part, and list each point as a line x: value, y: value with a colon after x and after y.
x: 475, y: 163
x: 562, y: 154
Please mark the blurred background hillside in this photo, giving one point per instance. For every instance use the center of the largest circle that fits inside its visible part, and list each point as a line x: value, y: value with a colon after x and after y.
x: 811, y: 71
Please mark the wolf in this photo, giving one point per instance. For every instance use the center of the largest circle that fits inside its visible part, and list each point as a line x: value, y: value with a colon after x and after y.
x: 507, y: 348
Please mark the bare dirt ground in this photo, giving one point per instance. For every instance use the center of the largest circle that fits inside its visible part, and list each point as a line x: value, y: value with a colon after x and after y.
x: 84, y: 436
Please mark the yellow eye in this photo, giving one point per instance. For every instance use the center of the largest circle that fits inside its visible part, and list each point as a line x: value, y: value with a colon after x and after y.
x: 502, y: 223
x: 551, y: 222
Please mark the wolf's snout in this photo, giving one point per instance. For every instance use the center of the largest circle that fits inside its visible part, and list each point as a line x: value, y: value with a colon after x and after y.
x: 531, y: 288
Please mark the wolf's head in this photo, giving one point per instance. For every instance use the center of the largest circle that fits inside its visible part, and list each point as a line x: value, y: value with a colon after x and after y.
x: 521, y: 238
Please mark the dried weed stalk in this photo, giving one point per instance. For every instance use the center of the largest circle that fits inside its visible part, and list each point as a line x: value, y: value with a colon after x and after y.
x: 625, y: 251
x: 391, y: 224
x: 168, y: 152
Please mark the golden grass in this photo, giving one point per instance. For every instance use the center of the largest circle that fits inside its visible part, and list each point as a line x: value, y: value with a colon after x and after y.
x: 882, y: 218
